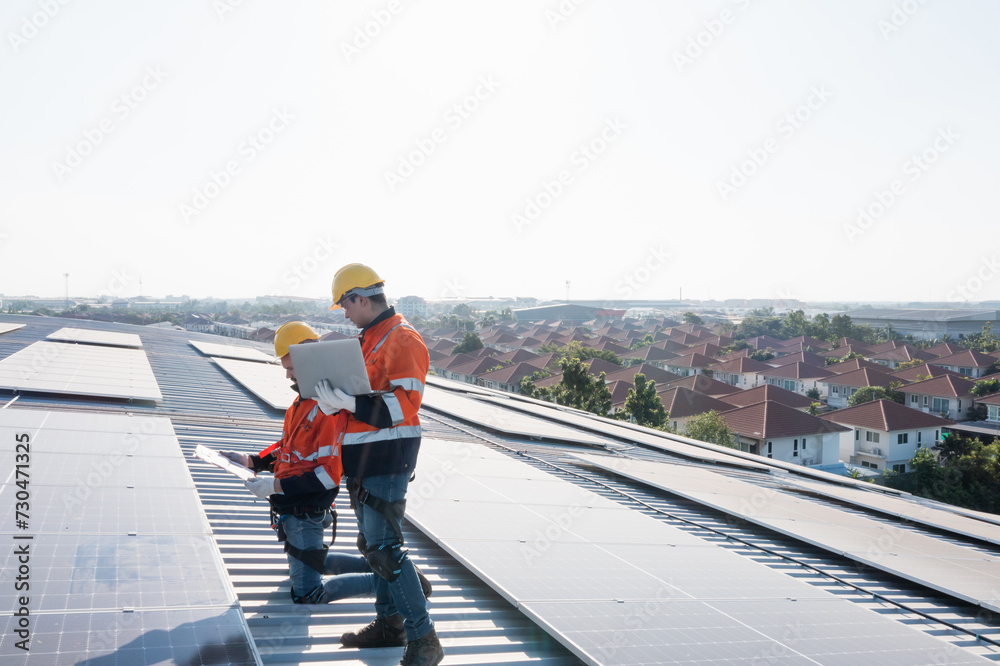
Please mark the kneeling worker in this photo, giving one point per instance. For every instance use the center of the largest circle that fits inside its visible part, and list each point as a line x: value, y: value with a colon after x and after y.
x: 307, y: 469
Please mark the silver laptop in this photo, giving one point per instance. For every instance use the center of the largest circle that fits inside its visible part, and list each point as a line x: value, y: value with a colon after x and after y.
x: 338, y: 361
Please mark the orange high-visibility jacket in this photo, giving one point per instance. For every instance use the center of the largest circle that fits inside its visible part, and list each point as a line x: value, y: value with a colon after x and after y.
x: 309, y: 445
x: 397, y: 361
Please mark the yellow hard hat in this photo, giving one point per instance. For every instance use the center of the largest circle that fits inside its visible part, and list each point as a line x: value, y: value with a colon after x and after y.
x: 355, y: 279
x: 290, y: 334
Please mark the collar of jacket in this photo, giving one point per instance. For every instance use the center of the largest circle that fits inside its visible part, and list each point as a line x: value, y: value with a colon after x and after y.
x: 390, y: 312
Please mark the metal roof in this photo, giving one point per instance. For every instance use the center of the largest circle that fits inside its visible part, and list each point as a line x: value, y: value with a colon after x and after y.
x: 476, y: 624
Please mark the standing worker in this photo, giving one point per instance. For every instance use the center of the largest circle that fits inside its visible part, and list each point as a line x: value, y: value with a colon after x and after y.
x: 381, y: 439
x: 307, y: 469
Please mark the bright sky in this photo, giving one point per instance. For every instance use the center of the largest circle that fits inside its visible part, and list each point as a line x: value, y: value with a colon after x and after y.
x: 463, y: 148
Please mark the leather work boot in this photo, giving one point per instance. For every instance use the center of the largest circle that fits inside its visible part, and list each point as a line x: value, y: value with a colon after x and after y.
x: 425, y: 651
x: 425, y: 585
x: 380, y: 632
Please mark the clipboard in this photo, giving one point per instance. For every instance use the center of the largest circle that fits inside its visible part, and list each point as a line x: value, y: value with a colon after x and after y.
x: 212, y: 457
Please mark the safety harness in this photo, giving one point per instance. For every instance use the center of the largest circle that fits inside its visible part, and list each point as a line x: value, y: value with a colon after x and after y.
x: 315, y: 558
x: 393, y: 511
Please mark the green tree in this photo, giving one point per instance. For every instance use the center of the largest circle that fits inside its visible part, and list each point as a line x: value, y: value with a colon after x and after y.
x: 985, y: 387
x: 870, y: 393
x: 710, y: 427
x: 760, y: 321
x: 794, y: 324
x: 762, y: 355
x: 814, y: 408
x: 463, y: 310
x: 507, y: 315
x: 692, y: 318
x: 578, y: 350
x: 841, y: 326
x: 643, y: 406
x: 966, y: 473
x: 470, y: 342
x: 577, y: 388
x: 905, y: 365
x: 813, y: 393
x: 645, y: 342
x: 985, y: 342
x: 819, y: 327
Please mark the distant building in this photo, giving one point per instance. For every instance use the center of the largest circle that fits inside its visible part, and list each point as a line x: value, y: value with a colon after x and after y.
x: 411, y: 306
x: 927, y: 324
x: 569, y: 312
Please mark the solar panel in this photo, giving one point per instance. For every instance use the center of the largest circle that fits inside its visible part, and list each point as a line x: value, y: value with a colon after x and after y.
x: 266, y: 381
x: 493, y: 417
x: 57, y: 367
x: 908, y: 508
x: 88, y: 336
x: 624, y: 430
x: 7, y: 328
x: 967, y: 573
x: 178, y: 636
x: 619, y: 590
x: 123, y: 565
x: 231, y: 351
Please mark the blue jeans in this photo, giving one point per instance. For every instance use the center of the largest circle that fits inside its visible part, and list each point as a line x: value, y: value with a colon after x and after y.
x: 404, y: 594
x: 352, y: 575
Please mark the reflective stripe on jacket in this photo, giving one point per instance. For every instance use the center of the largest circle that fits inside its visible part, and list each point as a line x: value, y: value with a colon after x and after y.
x: 397, y: 361
x: 309, y: 444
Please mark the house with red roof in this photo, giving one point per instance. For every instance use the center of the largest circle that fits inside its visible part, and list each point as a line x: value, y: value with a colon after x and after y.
x: 992, y: 403
x: 841, y: 387
x: 705, y: 384
x: 948, y: 395
x: 507, y: 378
x: 920, y: 372
x: 798, y: 357
x: 968, y: 363
x: 692, y: 364
x: 900, y: 354
x: 650, y: 354
x: 798, y: 377
x: 886, y: 434
x: 777, y: 431
x: 742, y: 372
x: 843, y: 367
x: 768, y: 392
x: 682, y: 404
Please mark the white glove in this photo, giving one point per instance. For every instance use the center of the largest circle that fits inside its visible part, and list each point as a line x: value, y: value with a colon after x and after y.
x: 262, y: 487
x: 333, y: 400
x: 237, y: 457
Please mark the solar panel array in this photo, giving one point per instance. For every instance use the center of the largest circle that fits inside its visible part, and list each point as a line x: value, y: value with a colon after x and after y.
x: 122, y: 566
x: 92, y: 337
x: 627, y: 431
x: 495, y: 418
x: 242, y: 352
x: 265, y: 380
x: 965, y: 572
x: 618, y: 587
x: 91, y: 370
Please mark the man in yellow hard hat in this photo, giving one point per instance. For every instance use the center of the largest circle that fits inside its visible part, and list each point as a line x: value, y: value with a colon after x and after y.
x: 381, y: 438
x: 307, y: 469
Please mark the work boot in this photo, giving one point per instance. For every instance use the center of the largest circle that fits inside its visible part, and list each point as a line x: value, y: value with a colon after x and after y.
x: 380, y: 632
x: 425, y: 651
x: 425, y: 585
